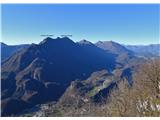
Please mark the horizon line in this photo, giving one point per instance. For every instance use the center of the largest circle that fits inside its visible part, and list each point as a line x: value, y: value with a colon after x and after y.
x: 79, y: 41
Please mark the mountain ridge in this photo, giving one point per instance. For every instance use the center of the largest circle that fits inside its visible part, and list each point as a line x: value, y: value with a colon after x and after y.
x: 37, y: 70
x: 44, y: 72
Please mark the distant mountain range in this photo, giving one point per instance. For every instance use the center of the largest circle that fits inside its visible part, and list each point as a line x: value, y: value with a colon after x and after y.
x: 145, y: 50
x: 55, y: 68
x: 139, y: 50
x: 41, y: 73
x: 8, y: 50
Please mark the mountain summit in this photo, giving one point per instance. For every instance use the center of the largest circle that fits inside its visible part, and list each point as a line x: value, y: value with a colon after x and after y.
x: 85, y: 42
x: 112, y: 47
x: 50, y: 40
x: 123, y: 54
x: 41, y: 73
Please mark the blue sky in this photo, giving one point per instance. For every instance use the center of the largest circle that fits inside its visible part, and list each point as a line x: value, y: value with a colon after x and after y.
x: 123, y: 23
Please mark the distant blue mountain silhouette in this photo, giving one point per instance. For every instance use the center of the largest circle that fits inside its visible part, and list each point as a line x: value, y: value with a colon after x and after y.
x: 145, y: 50
x: 8, y: 50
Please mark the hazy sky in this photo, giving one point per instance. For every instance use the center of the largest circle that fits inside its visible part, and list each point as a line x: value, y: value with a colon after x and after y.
x: 123, y: 23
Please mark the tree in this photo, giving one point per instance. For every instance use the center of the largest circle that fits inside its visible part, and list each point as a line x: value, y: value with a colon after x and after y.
x: 147, y: 88
x: 141, y: 99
